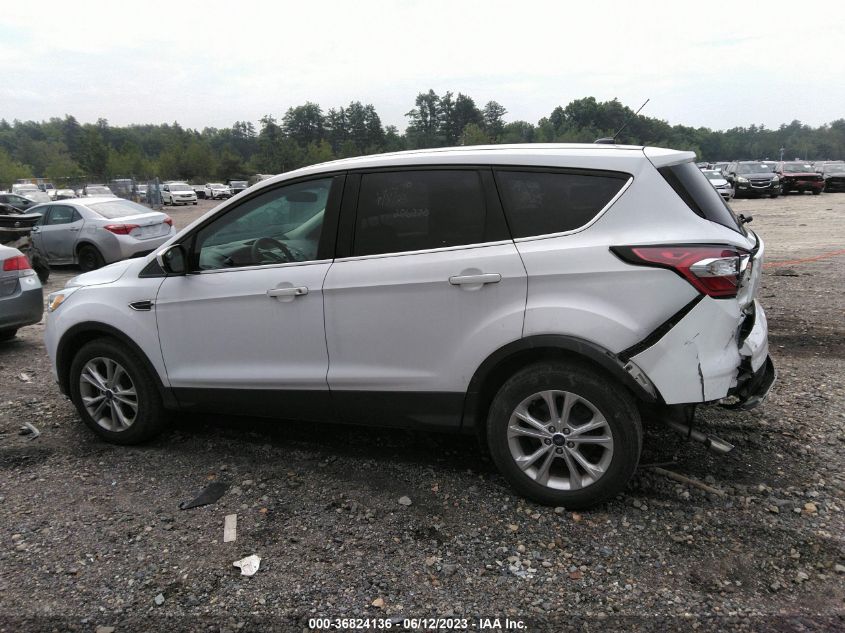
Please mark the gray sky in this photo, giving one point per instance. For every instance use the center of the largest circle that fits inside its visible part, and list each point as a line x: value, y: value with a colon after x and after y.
x: 715, y: 64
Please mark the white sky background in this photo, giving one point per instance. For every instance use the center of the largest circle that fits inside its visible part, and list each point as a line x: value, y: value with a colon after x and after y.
x: 714, y: 64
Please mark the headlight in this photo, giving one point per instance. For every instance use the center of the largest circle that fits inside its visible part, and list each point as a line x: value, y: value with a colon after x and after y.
x: 775, y: 180
x: 55, y: 299
x: 742, y: 179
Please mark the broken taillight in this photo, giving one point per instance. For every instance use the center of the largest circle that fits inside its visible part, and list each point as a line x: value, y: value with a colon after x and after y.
x: 713, y: 270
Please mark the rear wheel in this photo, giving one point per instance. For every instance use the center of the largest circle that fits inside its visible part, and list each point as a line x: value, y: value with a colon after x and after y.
x: 114, y: 393
x: 816, y: 192
x: 774, y: 195
x: 564, y: 435
x: 90, y: 258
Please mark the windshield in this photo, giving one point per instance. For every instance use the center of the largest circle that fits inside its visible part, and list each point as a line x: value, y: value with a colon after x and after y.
x: 834, y: 168
x: 713, y: 175
x: 216, y: 185
x: 117, y: 208
x: 98, y: 191
x: 238, y: 183
x: 142, y: 187
x: 180, y: 188
x: 753, y: 168
x: 796, y: 168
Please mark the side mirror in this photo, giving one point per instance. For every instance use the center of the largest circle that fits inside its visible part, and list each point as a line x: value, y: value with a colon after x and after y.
x: 173, y: 260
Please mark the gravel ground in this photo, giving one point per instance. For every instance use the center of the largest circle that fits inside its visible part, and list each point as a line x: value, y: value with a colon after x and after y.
x: 91, y: 535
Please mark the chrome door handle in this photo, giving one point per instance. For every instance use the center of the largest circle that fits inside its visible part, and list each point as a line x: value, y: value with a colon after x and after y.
x: 73, y: 230
x: 287, y: 292
x: 474, y: 280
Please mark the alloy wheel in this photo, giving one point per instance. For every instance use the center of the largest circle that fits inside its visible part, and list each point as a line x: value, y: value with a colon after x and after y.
x: 108, y: 394
x: 560, y: 440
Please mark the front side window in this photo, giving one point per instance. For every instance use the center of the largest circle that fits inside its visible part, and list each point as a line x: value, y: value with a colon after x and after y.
x: 542, y: 203
x: 418, y: 210
x: 279, y: 226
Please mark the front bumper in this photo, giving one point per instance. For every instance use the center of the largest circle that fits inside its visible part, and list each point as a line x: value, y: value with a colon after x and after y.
x: 802, y: 185
x: 750, y: 189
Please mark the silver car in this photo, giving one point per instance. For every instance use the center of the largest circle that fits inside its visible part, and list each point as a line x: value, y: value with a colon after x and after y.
x: 720, y: 183
x: 93, y: 232
x: 21, y: 299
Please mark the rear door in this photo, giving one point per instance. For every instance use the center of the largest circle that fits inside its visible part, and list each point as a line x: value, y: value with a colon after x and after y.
x: 426, y: 285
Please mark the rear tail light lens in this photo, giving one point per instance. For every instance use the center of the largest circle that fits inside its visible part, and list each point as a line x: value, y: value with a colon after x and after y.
x: 120, y: 229
x: 716, y: 271
x: 168, y: 221
x: 17, y: 263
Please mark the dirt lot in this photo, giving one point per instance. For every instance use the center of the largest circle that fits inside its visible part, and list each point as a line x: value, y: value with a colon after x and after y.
x: 92, y: 535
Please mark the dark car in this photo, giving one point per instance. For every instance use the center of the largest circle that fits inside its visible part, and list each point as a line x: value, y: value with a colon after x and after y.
x: 799, y: 176
x: 236, y: 186
x: 834, y: 176
x: 19, y: 202
x: 751, y: 178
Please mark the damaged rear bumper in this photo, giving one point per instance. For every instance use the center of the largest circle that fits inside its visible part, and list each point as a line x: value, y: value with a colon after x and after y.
x: 714, y: 351
x: 753, y: 386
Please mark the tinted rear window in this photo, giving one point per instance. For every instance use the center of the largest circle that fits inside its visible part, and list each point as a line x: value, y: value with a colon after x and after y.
x: 540, y: 203
x: 117, y: 208
x: 418, y: 210
x: 699, y: 195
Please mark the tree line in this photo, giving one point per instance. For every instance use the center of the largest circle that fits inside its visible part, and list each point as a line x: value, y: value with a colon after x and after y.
x: 67, y: 152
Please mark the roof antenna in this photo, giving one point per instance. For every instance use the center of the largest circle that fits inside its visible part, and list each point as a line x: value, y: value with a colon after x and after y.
x: 611, y: 140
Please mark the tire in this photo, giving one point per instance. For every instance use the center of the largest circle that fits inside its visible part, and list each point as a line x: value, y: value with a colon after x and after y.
x: 89, y: 258
x: 8, y: 335
x: 195, y: 204
x: 41, y: 267
x: 597, y: 399
x: 149, y: 414
x: 774, y: 195
x: 817, y: 192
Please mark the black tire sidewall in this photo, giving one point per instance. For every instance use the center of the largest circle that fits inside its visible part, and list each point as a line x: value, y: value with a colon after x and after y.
x: 609, y: 397
x: 87, y: 251
x: 150, y: 417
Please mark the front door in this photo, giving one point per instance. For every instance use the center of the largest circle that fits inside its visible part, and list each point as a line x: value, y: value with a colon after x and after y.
x: 243, y: 332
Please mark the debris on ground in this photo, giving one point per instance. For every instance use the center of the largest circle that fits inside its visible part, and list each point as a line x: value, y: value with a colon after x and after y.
x: 248, y: 565
x: 211, y: 493
x: 29, y: 429
x: 24, y: 377
x: 159, y: 599
x: 405, y: 501
x: 230, y: 528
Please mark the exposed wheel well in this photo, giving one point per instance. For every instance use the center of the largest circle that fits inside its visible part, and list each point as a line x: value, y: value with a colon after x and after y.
x: 499, y: 367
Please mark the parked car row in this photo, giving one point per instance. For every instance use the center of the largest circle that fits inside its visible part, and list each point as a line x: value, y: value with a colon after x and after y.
x: 750, y: 178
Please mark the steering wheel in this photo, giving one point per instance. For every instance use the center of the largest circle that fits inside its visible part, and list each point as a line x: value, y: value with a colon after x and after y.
x: 264, y: 246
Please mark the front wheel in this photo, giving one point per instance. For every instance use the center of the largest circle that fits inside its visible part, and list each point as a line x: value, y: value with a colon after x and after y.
x: 817, y: 192
x: 774, y: 195
x: 564, y: 435
x: 8, y: 335
x: 114, y: 393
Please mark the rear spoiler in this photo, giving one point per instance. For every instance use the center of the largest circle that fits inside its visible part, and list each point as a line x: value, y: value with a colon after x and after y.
x: 661, y: 157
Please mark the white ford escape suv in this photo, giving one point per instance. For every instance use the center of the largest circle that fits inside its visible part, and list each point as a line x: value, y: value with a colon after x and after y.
x: 546, y: 297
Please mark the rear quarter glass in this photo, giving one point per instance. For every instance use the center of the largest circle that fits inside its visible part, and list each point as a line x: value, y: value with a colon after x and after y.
x: 699, y: 195
x: 547, y: 202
